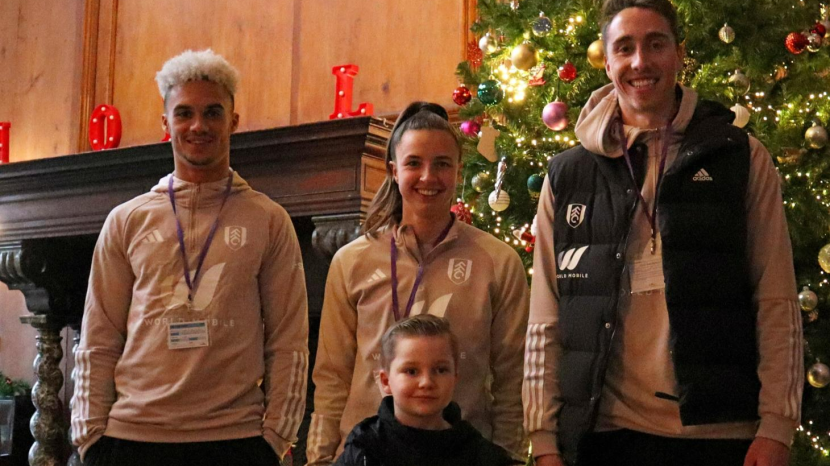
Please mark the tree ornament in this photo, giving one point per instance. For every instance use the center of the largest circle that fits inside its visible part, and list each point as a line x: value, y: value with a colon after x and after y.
x: 523, y: 56
x: 555, y: 115
x: 740, y: 82
x: 489, y: 92
x: 791, y: 155
x: 474, y: 55
x: 488, y: 44
x: 514, y: 5
x: 470, y: 128
x: 824, y: 258
x: 481, y: 181
x: 487, y: 142
x: 726, y: 34
x: 462, y: 213
x: 741, y: 115
x: 813, y: 42
x: 807, y: 299
x: 499, y: 200
x: 796, y: 42
x: 596, y: 54
x: 567, y: 72
x: 534, y: 185
x: 538, y: 76
x: 819, y: 375
x: 461, y: 95
x: 781, y: 72
x: 819, y: 29
x: 816, y: 136
x: 542, y: 25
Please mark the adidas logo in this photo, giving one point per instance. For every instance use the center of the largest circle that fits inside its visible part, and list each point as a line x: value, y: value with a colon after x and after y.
x: 702, y: 175
x: 154, y: 237
x: 378, y: 275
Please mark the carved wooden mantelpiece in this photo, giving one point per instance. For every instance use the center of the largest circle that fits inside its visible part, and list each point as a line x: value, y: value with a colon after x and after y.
x: 52, y: 210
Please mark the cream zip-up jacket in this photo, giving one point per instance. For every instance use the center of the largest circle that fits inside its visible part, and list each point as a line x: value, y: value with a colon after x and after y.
x: 471, y: 278
x: 640, y: 364
x: 251, y: 293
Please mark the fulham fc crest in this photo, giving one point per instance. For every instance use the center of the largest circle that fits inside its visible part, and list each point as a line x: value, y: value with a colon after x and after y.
x: 576, y: 214
x: 459, y: 270
x: 236, y: 237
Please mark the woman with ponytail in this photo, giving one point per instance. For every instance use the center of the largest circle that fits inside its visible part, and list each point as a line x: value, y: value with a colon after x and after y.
x: 416, y: 258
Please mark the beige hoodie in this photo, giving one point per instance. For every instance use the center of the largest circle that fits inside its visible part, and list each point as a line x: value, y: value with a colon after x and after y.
x: 471, y: 278
x: 640, y: 364
x: 130, y: 385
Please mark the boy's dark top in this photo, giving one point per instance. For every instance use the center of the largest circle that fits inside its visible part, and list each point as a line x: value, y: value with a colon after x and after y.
x: 383, y: 441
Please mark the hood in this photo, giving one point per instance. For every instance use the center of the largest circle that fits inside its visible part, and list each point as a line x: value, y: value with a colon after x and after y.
x: 595, y: 127
x: 208, y: 192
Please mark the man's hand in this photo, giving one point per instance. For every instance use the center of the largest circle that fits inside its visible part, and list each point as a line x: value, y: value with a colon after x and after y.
x: 550, y: 460
x: 767, y: 452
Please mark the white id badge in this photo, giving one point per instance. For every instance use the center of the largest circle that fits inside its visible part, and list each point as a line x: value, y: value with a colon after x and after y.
x: 181, y: 335
x: 647, y: 274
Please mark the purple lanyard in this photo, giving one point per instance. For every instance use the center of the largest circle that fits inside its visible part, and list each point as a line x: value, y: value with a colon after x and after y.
x: 394, y: 252
x: 192, y: 284
x: 652, y: 216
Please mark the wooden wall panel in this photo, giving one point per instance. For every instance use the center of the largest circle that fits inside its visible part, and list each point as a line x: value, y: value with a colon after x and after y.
x: 254, y: 35
x: 40, y: 55
x: 405, y: 50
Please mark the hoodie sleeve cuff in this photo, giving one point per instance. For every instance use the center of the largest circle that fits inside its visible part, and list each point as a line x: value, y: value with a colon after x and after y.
x: 82, y: 449
x: 777, y: 428
x: 543, y: 443
x: 279, y: 444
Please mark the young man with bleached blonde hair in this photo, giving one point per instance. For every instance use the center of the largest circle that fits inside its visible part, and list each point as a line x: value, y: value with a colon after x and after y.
x: 194, y: 339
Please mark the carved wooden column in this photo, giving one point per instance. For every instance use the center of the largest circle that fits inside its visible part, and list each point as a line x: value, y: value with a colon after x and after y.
x: 51, y: 273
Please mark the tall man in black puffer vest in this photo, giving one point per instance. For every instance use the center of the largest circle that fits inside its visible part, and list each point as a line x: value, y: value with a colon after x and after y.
x: 664, y: 325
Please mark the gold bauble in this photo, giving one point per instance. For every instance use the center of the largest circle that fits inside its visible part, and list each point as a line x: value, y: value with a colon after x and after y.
x: 816, y: 137
x: 726, y: 34
x: 807, y: 299
x: 824, y: 258
x: 524, y: 56
x: 596, y: 54
x: 819, y: 375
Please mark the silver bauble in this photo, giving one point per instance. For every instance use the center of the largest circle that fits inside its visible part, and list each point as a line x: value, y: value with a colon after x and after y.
x: 816, y: 137
x: 542, y: 26
x: 741, y: 115
x: 814, y: 42
x: 488, y: 44
x: 740, y: 82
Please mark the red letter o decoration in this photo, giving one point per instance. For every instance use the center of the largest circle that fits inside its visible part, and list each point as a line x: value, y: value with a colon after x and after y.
x: 105, y: 128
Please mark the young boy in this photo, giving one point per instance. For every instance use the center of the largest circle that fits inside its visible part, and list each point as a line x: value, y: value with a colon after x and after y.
x: 419, y: 424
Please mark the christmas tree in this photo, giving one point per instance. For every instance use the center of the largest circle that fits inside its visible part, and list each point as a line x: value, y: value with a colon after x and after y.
x: 537, y: 62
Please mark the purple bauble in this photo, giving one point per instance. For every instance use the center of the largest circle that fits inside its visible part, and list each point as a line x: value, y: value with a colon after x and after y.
x: 555, y: 116
x: 470, y: 128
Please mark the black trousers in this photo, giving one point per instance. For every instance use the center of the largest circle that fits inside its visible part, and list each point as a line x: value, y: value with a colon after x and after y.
x: 627, y: 447
x: 253, y: 451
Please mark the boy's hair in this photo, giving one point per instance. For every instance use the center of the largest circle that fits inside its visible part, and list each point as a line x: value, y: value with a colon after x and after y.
x: 610, y: 9
x: 424, y: 325
x: 204, y: 65
x: 386, y: 208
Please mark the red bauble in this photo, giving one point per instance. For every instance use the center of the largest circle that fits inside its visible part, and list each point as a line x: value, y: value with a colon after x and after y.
x: 462, y: 213
x: 819, y: 29
x: 474, y: 55
x: 567, y: 72
x: 461, y: 95
x: 796, y: 42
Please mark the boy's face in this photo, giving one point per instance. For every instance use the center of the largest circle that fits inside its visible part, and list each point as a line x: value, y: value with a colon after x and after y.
x: 421, y: 378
